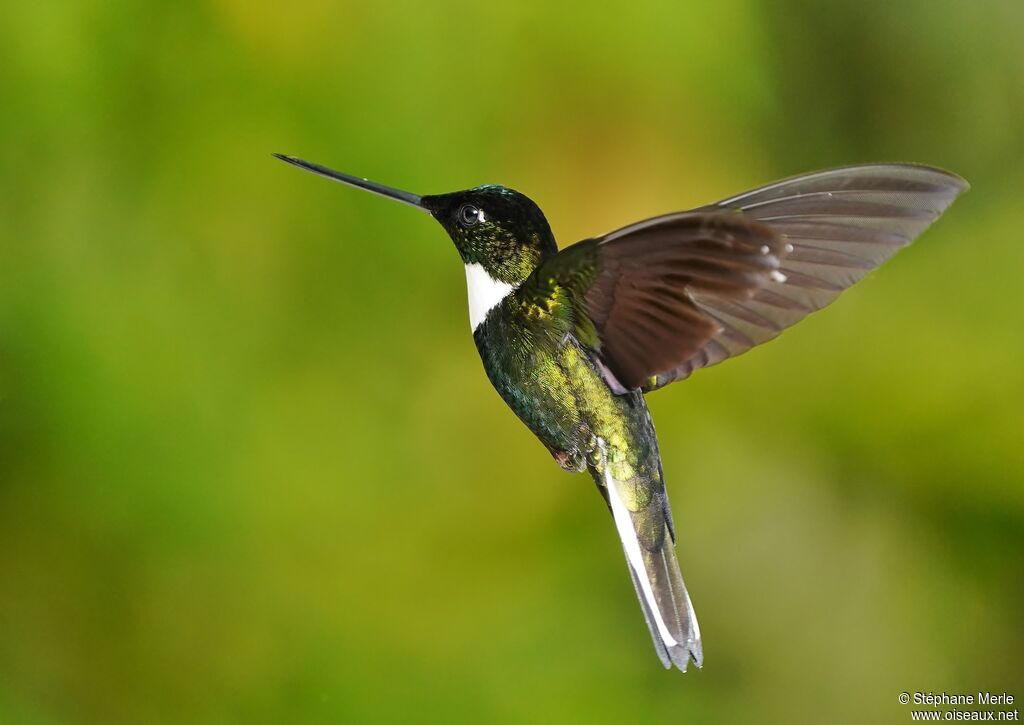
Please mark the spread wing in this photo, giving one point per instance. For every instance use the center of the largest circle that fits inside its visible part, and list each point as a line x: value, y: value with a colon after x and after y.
x: 661, y: 298
x: 839, y: 224
x: 632, y: 292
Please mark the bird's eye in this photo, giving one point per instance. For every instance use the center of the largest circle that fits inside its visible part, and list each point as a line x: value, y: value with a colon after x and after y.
x: 468, y: 215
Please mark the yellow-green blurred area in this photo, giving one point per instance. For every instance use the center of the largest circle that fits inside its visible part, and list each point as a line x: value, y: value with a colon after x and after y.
x: 251, y: 469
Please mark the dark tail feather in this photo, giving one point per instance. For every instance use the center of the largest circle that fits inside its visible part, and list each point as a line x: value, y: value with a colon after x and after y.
x: 674, y: 607
x: 659, y: 643
x: 651, y: 558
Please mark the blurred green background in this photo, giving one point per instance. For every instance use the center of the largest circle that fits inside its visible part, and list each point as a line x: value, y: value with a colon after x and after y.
x: 251, y: 469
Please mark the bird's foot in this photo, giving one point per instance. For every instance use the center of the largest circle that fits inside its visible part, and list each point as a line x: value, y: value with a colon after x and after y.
x: 571, y: 461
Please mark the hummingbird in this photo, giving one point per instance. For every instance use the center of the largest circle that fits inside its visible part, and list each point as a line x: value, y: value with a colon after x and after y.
x: 573, y: 339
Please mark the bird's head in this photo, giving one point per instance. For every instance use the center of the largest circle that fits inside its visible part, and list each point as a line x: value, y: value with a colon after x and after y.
x: 495, y: 227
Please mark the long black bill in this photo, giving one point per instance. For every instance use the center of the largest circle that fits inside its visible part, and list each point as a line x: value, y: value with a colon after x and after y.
x: 386, y: 191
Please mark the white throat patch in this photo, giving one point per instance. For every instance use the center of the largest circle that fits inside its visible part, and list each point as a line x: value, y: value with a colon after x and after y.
x: 485, y: 293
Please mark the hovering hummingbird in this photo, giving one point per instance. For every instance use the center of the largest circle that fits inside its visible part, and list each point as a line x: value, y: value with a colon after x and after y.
x: 573, y: 339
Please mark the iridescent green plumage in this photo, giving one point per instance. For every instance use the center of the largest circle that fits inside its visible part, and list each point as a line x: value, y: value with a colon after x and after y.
x: 571, y: 340
x: 551, y: 380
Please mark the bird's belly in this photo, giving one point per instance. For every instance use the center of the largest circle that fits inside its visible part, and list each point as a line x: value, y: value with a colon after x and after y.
x: 559, y: 393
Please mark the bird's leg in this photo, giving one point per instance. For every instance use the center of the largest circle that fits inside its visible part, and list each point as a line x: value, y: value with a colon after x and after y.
x: 576, y: 459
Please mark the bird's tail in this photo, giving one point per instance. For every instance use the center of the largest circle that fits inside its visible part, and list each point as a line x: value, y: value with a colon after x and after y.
x: 639, y: 506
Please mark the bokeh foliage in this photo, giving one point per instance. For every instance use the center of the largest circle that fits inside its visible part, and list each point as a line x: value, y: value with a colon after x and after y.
x: 251, y: 471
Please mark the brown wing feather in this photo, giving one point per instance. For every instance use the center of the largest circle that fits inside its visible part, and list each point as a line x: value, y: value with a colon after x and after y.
x: 669, y: 295
x: 643, y: 297
x: 840, y: 224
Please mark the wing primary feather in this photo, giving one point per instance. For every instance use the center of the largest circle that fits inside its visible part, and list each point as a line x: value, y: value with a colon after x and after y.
x: 839, y: 225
